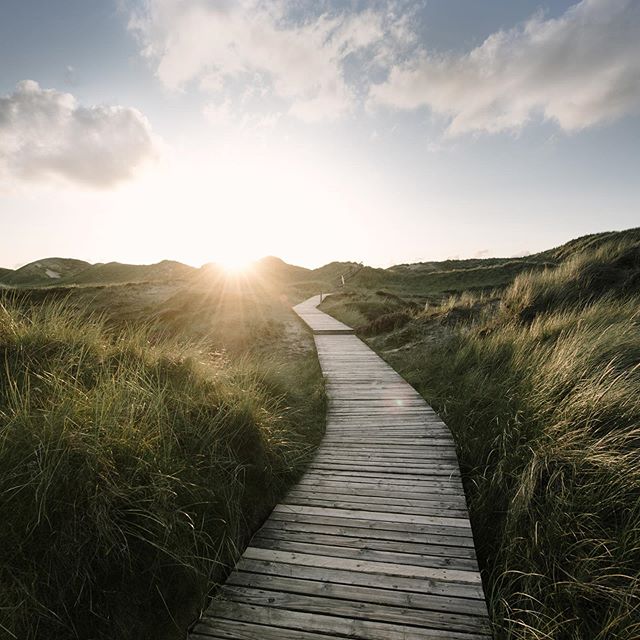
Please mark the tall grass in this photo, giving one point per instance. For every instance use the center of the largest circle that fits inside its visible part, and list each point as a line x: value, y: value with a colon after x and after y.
x: 546, y: 416
x: 132, y: 469
x: 612, y: 269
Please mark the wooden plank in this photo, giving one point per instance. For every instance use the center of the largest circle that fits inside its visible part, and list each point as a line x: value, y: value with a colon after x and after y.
x: 422, y: 481
x: 364, y: 540
x: 418, y: 500
x: 345, y: 626
x: 433, y: 492
x: 381, y: 436
x: 377, y: 516
x: 341, y: 576
x: 439, y: 485
x: 390, y: 525
x: 390, y: 507
x: 439, y: 537
x: 373, y: 594
x: 413, y: 558
x: 361, y: 452
x: 428, y: 484
x: 243, y: 630
x: 364, y: 566
x: 341, y: 602
x: 394, y: 474
x: 394, y: 467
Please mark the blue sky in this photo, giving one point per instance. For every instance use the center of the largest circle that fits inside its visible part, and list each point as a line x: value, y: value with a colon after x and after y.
x: 386, y: 131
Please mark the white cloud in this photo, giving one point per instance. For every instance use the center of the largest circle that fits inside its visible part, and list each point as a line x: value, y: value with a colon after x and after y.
x: 45, y: 133
x: 578, y: 70
x: 225, y: 117
x: 220, y: 114
x: 220, y: 43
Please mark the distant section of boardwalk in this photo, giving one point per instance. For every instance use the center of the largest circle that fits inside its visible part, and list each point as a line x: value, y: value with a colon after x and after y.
x: 374, y: 542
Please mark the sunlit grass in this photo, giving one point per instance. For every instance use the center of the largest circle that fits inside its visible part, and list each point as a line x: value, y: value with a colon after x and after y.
x: 546, y: 418
x: 133, y: 467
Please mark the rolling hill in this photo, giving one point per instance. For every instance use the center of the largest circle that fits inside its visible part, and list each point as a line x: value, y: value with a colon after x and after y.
x: 425, y: 278
x: 116, y: 272
x: 43, y: 272
x: 67, y: 271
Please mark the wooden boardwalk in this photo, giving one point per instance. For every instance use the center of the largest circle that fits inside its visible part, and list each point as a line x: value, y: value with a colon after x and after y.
x: 374, y: 542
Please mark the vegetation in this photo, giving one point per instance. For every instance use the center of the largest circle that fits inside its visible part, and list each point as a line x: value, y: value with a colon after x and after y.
x: 147, y: 428
x: 539, y: 384
x: 135, y: 460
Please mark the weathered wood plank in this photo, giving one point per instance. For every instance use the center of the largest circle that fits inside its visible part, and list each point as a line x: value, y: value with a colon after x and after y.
x: 405, y: 499
x: 393, y: 472
x: 363, y: 566
x: 242, y: 630
x: 377, y: 516
x: 384, y: 581
x: 363, y: 540
x: 334, y: 502
x: 437, y: 536
x: 389, y: 525
x: 418, y: 559
x: 338, y: 625
x: 342, y: 603
x: 440, y: 487
x: 373, y: 594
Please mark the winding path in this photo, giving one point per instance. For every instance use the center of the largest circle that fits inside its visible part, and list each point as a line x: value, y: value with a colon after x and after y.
x: 374, y: 542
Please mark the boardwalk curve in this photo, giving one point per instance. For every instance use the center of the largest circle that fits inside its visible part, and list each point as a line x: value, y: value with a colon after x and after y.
x: 374, y: 542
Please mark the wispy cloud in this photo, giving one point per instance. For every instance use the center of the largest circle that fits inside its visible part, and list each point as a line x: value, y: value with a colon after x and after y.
x: 224, y: 47
x: 45, y: 133
x: 578, y: 70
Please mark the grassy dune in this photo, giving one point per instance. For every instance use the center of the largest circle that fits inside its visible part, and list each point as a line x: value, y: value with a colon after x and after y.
x: 134, y: 464
x: 540, y: 385
x: 146, y: 430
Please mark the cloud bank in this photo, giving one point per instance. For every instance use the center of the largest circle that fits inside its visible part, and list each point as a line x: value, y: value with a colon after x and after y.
x: 45, y: 133
x: 270, y: 48
x: 578, y: 70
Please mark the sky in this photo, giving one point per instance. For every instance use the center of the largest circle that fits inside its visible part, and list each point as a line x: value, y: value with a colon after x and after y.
x: 379, y: 131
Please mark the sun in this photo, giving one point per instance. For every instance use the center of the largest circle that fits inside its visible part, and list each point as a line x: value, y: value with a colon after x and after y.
x: 235, y: 264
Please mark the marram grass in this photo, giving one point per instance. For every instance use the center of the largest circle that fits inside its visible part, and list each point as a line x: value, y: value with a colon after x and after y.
x: 132, y: 470
x: 546, y: 416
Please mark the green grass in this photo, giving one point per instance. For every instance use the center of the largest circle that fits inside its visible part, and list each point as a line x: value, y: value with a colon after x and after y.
x: 540, y: 385
x: 546, y: 419
x: 133, y: 468
x: 609, y: 270
x: 442, y: 278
